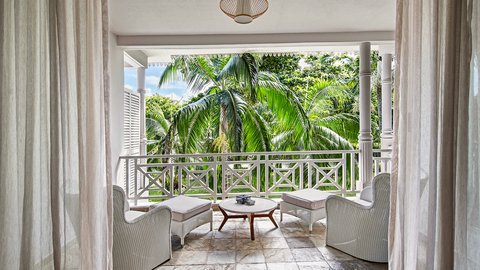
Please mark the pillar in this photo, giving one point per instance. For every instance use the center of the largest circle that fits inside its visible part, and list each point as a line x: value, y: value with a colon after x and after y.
x: 387, y: 129
x: 365, y: 137
x: 141, y: 91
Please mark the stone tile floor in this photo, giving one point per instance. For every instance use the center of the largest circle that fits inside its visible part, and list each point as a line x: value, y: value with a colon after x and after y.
x: 290, y: 247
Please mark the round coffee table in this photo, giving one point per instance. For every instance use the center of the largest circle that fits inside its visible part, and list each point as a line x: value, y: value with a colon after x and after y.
x: 262, y: 208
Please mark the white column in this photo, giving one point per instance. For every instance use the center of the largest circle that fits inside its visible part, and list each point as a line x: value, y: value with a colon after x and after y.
x: 387, y: 129
x: 365, y: 136
x: 141, y: 90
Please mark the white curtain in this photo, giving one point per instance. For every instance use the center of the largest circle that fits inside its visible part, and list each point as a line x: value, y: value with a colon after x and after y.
x: 434, y: 221
x: 55, y: 183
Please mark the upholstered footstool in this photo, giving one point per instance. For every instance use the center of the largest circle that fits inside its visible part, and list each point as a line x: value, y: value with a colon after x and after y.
x: 188, y: 213
x: 306, y: 204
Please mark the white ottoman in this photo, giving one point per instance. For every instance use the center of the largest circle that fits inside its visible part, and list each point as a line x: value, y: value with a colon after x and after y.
x: 188, y: 213
x: 306, y: 204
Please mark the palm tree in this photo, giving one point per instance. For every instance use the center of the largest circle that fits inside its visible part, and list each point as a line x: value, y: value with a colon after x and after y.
x: 224, y: 114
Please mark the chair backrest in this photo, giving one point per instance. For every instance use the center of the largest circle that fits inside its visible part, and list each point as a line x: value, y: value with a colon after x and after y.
x: 381, y: 191
x: 120, y: 204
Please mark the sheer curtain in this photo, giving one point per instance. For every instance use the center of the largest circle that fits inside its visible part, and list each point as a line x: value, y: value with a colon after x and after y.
x: 467, y: 249
x: 435, y: 183
x: 55, y: 183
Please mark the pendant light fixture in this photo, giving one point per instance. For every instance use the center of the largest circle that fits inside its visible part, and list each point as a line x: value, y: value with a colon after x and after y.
x: 244, y: 11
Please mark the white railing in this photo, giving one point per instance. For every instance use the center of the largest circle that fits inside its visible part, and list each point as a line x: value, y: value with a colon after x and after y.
x: 382, y: 161
x: 268, y: 174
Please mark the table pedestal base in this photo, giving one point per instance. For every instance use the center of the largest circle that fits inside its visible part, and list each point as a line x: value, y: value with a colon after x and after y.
x: 250, y: 217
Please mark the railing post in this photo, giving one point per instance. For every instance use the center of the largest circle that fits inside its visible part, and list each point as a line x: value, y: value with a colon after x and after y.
x: 259, y: 182
x: 179, y: 179
x: 267, y: 169
x: 215, y: 178
x: 135, y: 184
x: 352, y: 172
x: 224, y: 178
x: 172, y: 181
x: 127, y: 177
x: 365, y: 136
x: 344, y: 173
x: 300, y: 180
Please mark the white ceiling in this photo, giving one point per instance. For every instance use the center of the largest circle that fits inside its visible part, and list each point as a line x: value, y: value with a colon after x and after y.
x: 158, y: 29
x: 199, y: 17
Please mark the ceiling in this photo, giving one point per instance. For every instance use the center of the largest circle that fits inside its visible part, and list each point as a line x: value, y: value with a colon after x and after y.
x: 200, y: 17
x: 158, y: 29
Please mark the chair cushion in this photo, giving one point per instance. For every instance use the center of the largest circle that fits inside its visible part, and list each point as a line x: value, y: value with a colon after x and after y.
x: 184, y: 207
x: 307, y: 198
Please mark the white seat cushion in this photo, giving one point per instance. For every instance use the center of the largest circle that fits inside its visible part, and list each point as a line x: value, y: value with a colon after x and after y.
x: 184, y: 207
x: 307, y: 198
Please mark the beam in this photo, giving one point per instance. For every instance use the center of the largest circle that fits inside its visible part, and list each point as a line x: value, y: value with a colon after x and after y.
x: 136, y: 58
x: 194, y: 41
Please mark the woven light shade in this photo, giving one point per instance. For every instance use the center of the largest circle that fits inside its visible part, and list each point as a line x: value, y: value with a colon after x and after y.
x: 244, y: 11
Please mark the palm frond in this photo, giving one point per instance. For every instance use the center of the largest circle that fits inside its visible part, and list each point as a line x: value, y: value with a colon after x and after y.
x: 285, y: 141
x: 245, y: 69
x: 191, y: 123
x: 325, y: 89
x: 255, y: 132
x: 346, y: 125
x: 286, y: 106
x: 158, y: 117
x: 196, y: 71
x: 200, y: 74
x: 324, y: 138
x: 234, y: 106
x: 171, y: 73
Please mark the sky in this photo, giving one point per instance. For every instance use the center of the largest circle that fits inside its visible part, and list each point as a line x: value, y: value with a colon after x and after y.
x: 175, y: 90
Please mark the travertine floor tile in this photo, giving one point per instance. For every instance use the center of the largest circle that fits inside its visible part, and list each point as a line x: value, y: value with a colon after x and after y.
x: 221, y: 257
x: 278, y: 255
x: 250, y: 256
x: 282, y: 266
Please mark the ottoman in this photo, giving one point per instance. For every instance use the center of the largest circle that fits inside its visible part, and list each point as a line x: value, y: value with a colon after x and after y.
x: 188, y: 213
x: 306, y: 204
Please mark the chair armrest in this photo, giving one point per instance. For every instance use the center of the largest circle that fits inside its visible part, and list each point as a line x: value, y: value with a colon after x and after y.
x: 337, y: 201
x: 156, y: 212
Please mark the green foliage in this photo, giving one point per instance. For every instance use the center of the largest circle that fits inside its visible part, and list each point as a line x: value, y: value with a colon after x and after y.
x: 165, y: 105
x: 261, y: 103
x: 159, y: 111
x: 223, y: 110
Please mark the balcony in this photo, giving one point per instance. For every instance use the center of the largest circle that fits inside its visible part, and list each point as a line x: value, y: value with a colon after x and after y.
x: 217, y: 176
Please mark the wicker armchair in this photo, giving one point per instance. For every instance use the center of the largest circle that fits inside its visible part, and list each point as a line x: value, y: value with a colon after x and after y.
x: 141, y: 240
x: 360, y: 228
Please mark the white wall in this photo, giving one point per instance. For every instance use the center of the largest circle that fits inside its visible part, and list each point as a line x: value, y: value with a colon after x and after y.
x: 116, y: 103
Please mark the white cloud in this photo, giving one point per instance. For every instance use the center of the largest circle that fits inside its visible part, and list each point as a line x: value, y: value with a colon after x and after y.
x: 152, y: 80
x: 176, y: 85
x: 172, y: 96
x: 130, y: 73
x: 128, y: 86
